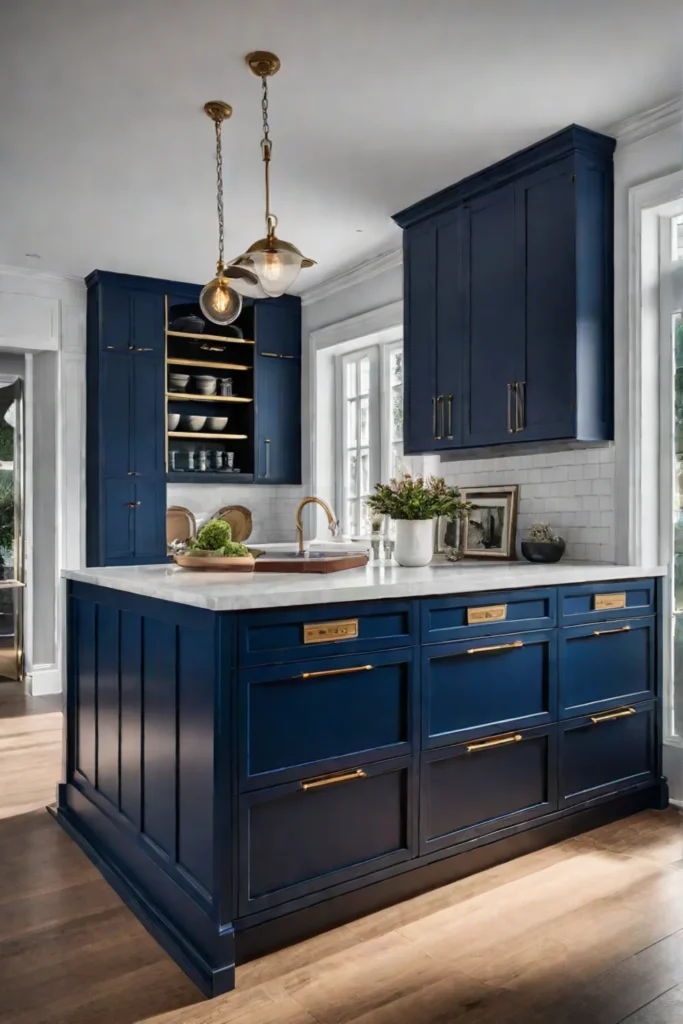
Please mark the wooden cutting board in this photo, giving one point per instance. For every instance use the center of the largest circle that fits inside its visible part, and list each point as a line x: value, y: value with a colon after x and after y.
x: 329, y: 563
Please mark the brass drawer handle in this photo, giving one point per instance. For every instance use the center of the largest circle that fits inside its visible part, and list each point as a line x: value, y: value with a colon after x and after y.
x: 271, y: 355
x: 145, y: 350
x: 611, y: 715
x: 495, y: 647
x: 511, y: 388
x: 501, y: 741
x: 330, y: 780
x: 520, y: 406
x: 606, y: 632
x: 335, y: 672
x: 449, y: 428
x: 435, y: 415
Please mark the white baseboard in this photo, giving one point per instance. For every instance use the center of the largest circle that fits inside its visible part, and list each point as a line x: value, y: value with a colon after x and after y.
x: 43, y: 679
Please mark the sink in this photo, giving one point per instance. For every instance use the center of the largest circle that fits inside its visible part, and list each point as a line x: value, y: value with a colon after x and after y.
x: 307, y: 561
x: 302, y: 554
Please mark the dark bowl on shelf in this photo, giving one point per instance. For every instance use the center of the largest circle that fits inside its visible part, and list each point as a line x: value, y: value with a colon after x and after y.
x: 547, y: 551
x: 231, y: 331
x: 188, y: 324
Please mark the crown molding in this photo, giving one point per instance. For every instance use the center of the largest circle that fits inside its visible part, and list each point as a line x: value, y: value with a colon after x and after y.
x: 649, y: 122
x: 354, y: 275
x: 7, y: 270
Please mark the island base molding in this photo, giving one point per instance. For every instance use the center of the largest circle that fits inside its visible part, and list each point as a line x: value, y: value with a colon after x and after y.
x: 248, y: 941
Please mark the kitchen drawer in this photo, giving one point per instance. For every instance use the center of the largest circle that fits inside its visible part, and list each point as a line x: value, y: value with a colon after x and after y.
x: 303, y: 837
x: 601, y: 602
x: 485, y: 785
x: 488, y: 685
x: 319, y: 716
x: 277, y: 636
x: 606, y: 664
x: 607, y: 752
x: 458, y: 618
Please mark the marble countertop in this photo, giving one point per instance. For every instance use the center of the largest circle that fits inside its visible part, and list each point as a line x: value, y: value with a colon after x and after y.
x: 223, y: 592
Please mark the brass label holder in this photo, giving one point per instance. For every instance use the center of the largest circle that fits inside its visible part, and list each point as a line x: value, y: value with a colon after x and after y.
x: 604, y: 602
x: 489, y: 613
x: 328, y: 632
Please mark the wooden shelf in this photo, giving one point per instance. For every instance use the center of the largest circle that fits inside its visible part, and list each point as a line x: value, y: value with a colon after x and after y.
x: 215, y: 437
x: 209, y: 365
x: 210, y: 337
x: 190, y: 476
x: 177, y: 397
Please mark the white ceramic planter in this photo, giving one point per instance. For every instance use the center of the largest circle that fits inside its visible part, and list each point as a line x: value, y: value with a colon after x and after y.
x: 414, y: 542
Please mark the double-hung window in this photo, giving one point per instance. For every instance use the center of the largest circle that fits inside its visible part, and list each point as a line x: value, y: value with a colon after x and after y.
x: 369, y: 427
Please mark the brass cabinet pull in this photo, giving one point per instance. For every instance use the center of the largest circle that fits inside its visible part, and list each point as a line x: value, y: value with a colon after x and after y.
x: 133, y: 504
x: 611, y: 715
x: 270, y: 355
x: 335, y: 671
x: 449, y: 429
x: 435, y: 415
x: 131, y: 472
x: 145, y: 350
x: 266, y: 442
x: 330, y: 780
x: 495, y: 647
x: 606, y: 632
x: 511, y: 388
x: 500, y: 741
x: 520, y: 406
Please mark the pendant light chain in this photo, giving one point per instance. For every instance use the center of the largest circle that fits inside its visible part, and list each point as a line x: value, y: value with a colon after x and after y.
x: 219, y: 193
x: 266, y: 149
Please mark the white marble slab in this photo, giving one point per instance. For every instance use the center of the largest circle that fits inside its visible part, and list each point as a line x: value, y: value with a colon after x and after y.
x: 223, y: 592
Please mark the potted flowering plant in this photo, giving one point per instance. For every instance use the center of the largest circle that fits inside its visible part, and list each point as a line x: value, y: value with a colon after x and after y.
x: 413, y: 503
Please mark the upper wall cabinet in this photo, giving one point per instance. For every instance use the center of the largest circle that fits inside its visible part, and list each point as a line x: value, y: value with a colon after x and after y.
x: 508, y: 301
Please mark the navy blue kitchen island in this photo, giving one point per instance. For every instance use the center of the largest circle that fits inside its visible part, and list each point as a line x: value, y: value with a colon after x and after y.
x: 249, y: 763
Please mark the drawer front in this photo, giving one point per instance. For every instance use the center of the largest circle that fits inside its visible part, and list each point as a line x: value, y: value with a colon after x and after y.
x: 457, y: 618
x: 484, y: 686
x: 606, y: 664
x: 607, y: 752
x: 276, y: 637
x: 306, y: 836
x: 325, y: 715
x: 485, y: 785
x: 602, y: 602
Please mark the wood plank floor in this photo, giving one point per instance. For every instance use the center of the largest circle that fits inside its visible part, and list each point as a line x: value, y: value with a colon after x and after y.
x: 586, y: 932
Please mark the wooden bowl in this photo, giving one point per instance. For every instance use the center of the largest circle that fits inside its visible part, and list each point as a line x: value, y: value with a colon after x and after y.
x: 215, y: 563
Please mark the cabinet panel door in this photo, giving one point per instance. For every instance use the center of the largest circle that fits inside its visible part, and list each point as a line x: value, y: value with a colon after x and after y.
x: 114, y: 319
x: 149, y: 520
x: 118, y: 520
x: 147, y: 322
x: 494, y: 332
x: 148, y: 456
x: 606, y: 663
x: 116, y: 413
x: 296, y: 840
x: 603, y: 754
x: 450, y: 318
x: 419, y: 344
x: 472, y: 790
x: 278, y: 327
x: 278, y: 418
x: 488, y: 685
x: 546, y: 223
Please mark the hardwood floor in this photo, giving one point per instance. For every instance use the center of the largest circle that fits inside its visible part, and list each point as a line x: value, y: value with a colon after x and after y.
x: 586, y: 932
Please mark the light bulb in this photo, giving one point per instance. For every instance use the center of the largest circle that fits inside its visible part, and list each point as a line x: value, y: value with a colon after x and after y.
x: 219, y: 302
x: 277, y: 270
x: 272, y: 267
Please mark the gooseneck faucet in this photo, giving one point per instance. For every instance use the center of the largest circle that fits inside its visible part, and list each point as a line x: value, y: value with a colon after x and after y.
x: 331, y: 519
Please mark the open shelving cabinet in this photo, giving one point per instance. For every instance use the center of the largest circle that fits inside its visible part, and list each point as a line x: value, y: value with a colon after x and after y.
x: 213, y: 352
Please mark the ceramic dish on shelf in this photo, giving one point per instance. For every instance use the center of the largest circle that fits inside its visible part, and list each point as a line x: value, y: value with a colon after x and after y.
x: 178, y: 381
x: 208, y: 562
x: 238, y: 519
x: 173, y: 420
x: 194, y: 422
x: 216, y: 423
x: 205, y: 385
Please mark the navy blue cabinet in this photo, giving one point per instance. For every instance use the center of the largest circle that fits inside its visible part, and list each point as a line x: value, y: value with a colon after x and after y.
x: 278, y: 391
x: 508, y: 301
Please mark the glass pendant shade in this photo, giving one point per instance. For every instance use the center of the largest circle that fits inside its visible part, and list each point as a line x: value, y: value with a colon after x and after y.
x: 220, y: 303
x: 243, y: 279
x: 277, y: 269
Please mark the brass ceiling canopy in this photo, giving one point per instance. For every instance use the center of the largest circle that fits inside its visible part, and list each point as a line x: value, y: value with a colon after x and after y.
x: 262, y: 63
x: 218, y: 111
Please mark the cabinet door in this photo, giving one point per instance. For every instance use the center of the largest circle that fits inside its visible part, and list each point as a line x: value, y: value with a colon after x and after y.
x: 149, y: 520
x: 147, y: 422
x: 450, y: 321
x: 546, y: 228
x: 420, y: 428
x: 278, y: 327
x: 494, y: 328
x: 147, y: 322
x: 114, y: 319
x: 278, y: 419
x: 118, y: 535
x: 116, y: 413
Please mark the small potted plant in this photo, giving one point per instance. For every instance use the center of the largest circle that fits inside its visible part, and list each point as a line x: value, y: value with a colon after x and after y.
x: 214, y: 548
x: 413, y: 504
x: 542, y: 544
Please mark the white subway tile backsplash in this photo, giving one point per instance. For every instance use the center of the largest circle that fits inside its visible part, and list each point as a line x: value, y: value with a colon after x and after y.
x: 573, y: 490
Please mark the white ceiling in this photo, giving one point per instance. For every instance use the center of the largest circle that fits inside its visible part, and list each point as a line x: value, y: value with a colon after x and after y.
x: 106, y: 159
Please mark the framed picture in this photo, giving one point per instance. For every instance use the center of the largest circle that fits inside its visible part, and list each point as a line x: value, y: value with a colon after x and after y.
x: 491, y: 528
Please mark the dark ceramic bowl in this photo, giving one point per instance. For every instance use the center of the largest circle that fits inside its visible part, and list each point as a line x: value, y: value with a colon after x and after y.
x: 188, y: 324
x: 547, y: 552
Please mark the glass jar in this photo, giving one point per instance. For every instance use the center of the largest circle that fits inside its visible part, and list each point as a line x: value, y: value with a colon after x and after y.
x: 454, y: 540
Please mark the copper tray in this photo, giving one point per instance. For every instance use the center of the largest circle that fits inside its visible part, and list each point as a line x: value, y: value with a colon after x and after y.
x: 216, y: 563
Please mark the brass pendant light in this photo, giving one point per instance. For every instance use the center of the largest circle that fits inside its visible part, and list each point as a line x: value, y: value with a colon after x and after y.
x: 219, y: 301
x: 274, y: 263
